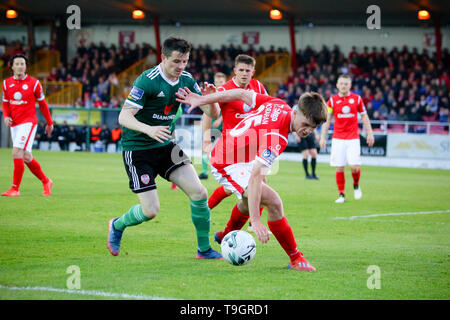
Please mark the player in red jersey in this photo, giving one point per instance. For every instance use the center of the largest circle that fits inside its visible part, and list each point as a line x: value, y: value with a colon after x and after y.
x: 345, y: 143
x: 234, y: 111
x: 243, y: 156
x: 20, y: 93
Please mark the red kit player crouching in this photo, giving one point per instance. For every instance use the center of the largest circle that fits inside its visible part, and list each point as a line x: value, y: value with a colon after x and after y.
x: 20, y: 93
x: 243, y: 156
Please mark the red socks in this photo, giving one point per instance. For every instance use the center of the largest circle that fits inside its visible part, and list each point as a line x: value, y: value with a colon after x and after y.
x: 283, y: 233
x: 19, y: 168
x: 340, y: 181
x: 356, y: 177
x: 237, y: 220
x: 216, y: 197
x: 35, y: 168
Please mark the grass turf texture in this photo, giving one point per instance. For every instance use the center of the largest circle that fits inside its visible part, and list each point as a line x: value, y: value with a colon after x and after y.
x: 42, y: 236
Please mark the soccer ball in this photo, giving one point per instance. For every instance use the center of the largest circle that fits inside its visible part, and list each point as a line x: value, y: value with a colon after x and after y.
x: 238, y: 247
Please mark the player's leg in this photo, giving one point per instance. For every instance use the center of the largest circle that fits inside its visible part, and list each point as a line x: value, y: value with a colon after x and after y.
x: 354, y: 161
x: 187, y: 180
x: 313, y: 153
x: 305, y: 154
x: 142, y: 182
x: 338, y: 159
x: 279, y: 226
x: 218, y: 195
x: 205, y: 166
x: 36, y: 169
x: 21, y: 135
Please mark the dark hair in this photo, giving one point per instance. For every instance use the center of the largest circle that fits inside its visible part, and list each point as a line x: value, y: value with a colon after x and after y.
x: 175, y: 43
x: 11, y: 61
x: 313, y: 107
x: 243, y: 58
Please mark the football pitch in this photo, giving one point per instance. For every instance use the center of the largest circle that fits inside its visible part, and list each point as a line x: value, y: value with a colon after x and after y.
x: 391, y: 244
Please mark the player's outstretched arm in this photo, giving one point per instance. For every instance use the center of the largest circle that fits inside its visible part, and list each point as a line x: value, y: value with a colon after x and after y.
x: 127, y: 119
x: 194, y: 100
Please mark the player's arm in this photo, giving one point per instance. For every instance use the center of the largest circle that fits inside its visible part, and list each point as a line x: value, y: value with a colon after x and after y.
x: 366, y: 122
x: 43, y: 106
x: 254, y: 191
x: 194, y: 100
x: 127, y: 119
x: 324, y: 131
x: 206, y: 129
x: 6, y: 109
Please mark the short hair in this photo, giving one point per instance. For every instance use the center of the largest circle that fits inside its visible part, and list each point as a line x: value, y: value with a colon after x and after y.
x: 19, y: 55
x: 246, y: 59
x: 344, y: 76
x: 175, y: 43
x: 220, y: 75
x: 313, y: 107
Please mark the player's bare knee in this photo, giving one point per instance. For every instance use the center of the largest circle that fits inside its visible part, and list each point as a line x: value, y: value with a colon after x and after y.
x: 243, y: 206
x: 150, y: 211
x: 199, y: 193
x: 27, y: 157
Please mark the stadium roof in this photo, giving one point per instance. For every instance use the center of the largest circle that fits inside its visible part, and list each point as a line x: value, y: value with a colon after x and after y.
x: 232, y: 12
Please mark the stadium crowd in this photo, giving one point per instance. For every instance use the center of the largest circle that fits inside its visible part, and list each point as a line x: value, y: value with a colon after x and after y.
x: 398, y: 85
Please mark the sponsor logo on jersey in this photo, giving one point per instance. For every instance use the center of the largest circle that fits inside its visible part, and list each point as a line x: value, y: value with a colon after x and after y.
x: 17, y: 96
x: 145, y: 178
x: 25, y: 87
x: 269, y: 156
x: 161, y: 95
x: 160, y: 117
x: 351, y: 100
x: 276, y: 112
x: 241, y: 115
x: 345, y: 109
x: 197, y: 88
x: 136, y: 93
x: 167, y: 109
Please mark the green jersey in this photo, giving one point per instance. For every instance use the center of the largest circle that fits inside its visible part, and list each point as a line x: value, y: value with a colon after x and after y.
x: 154, y: 94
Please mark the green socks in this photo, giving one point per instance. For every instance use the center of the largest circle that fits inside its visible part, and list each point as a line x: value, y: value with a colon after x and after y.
x: 205, y: 163
x: 132, y: 217
x: 201, y: 217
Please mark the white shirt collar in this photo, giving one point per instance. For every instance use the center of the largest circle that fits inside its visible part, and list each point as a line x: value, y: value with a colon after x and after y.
x: 172, y: 83
x: 23, y: 78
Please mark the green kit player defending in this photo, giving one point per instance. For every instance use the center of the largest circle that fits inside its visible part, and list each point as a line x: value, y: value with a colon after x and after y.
x: 146, y: 116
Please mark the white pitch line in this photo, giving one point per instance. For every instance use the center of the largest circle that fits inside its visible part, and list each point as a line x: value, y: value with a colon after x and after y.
x: 88, y: 293
x: 391, y: 214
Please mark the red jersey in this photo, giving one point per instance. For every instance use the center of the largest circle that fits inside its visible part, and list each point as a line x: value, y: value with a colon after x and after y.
x: 233, y: 112
x: 346, y: 111
x: 262, y: 135
x: 19, y: 100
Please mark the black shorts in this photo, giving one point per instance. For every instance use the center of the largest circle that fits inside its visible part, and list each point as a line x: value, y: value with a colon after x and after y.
x: 143, y: 166
x: 307, y: 143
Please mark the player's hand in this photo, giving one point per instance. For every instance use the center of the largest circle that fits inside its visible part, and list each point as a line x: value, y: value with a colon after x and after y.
x: 188, y: 98
x: 297, y: 138
x: 49, y: 130
x: 159, y: 133
x: 322, y: 143
x: 208, y: 88
x: 370, y: 140
x: 7, y: 121
x: 261, y: 231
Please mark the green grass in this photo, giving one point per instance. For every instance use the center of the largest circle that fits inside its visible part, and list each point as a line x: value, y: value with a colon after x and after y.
x: 41, y: 237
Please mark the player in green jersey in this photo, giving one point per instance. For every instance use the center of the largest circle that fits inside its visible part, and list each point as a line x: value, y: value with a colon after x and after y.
x: 208, y: 125
x: 146, y: 116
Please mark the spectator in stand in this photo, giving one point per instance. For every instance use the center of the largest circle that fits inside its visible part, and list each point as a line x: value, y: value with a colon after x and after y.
x: 95, y: 133
x: 72, y: 135
x: 116, y: 135
x: 40, y: 134
x: 105, y: 136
